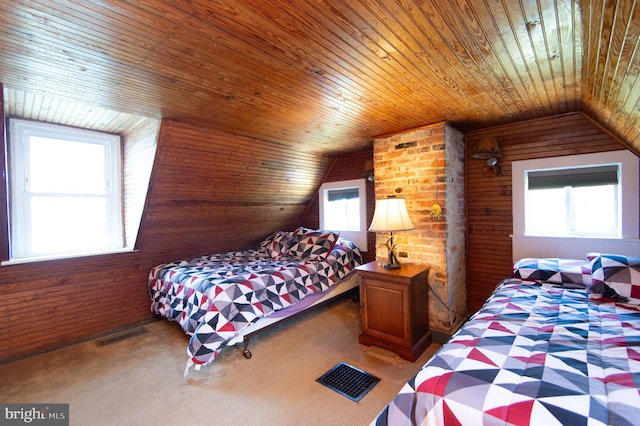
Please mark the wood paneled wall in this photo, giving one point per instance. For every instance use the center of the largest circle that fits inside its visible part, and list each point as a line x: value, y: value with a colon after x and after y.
x: 50, y: 304
x: 140, y: 143
x: 209, y: 192
x: 4, y: 208
x: 214, y: 192
x: 347, y: 167
x: 489, y: 199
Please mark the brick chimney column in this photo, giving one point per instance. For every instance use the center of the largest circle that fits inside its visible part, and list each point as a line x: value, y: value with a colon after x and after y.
x: 426, y: 166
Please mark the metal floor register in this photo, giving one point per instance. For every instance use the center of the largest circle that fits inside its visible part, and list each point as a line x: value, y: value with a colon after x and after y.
x: 348, y: 381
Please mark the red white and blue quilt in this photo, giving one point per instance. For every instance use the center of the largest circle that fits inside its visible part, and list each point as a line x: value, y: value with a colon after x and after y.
x: 533, y: 355
x: 214, y: 297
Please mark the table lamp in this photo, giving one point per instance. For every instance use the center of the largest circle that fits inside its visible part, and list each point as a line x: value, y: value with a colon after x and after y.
x: 391, y: 215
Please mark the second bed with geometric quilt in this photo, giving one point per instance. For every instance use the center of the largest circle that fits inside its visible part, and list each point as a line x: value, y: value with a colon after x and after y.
x: 565, y: 352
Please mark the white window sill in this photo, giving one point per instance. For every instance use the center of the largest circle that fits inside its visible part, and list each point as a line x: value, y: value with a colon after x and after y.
x: 65, y: 256
x: 571, y: 247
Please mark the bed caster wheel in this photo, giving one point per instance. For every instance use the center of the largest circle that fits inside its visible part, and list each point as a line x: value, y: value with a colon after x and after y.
x: 247, y: 354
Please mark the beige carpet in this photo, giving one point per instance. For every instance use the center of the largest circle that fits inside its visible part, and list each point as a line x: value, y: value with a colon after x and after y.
x: 139, y: 380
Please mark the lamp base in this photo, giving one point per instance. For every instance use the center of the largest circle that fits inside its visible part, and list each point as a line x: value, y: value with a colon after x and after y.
x: 393, y: 259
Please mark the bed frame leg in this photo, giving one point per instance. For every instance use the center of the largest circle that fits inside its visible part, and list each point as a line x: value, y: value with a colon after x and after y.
x: 247, y: 353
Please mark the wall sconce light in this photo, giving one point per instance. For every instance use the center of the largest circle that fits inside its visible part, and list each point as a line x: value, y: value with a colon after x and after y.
x: 368, y: 170
x: 487, y: 149
x: 391, y: 215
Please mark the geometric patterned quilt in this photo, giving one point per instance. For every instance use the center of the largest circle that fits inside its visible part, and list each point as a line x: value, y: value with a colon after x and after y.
x: 214, y: 297
x: 533, y: 355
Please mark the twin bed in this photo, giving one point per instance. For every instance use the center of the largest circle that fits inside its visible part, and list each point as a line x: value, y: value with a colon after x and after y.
x: 225, y: 298
x: 558, y: 343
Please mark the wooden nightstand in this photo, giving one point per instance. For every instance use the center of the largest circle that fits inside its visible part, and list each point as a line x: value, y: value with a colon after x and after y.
x: 394, y: 309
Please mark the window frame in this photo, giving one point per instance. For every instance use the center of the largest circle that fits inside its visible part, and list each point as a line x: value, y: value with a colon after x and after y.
x: 20, y: 131
x: 577, y: 246
x: 567, y: 180
x: 360, y: 236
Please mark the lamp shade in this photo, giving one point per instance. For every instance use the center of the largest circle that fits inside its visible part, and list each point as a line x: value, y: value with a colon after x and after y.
x: 391, y: 215
x: 486, y: 148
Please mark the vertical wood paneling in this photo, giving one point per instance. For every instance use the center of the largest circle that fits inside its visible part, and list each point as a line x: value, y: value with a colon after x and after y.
x: 207, y: 198
x: 139, y: 151
x: 325, y: 77
x: 489, y: 199
x: 29, y: 105
x: 346, y: 167
x: 611, y: 65
x: 50, y: 304
x: 4, y: 222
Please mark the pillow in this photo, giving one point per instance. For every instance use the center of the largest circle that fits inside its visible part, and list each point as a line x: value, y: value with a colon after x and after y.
x: 276, y: 244
x: 267, y: 241
x: 615, y: 276
x: 312, y: 244
x: 570, y: 273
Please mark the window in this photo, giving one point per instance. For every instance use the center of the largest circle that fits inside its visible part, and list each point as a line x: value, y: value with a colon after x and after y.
x: 571, y: 205
x: 65, y: 190
x: 576, y: 201
x: 343, y: 207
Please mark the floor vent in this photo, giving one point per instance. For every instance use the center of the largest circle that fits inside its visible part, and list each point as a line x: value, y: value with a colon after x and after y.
x: 112, y: 338
x: 348, y: 381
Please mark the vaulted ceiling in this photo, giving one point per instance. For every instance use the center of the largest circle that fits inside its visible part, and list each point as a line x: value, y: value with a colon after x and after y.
x: 325, y: 76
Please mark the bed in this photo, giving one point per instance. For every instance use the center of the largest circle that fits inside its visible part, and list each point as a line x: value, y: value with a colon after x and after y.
x: 557, y: 343
x: 224, y: 298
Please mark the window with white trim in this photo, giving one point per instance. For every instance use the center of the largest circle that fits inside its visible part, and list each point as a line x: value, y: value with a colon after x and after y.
x: 576, y: 204
x: 65, y: 190
x: 343, y: 207
x: 576, y: 201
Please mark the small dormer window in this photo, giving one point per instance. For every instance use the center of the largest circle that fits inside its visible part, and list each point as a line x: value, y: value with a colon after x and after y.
x: 343, y: 208
x: 65, y: 191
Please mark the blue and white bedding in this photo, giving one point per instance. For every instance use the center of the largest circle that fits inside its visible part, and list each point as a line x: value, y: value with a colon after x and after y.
x: 214, y: 297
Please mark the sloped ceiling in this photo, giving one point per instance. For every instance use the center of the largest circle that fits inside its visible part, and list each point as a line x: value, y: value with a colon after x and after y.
x: 325, y: 76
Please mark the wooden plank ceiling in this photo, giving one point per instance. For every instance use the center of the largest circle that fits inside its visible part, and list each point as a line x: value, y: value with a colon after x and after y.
x: 325, y: 76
